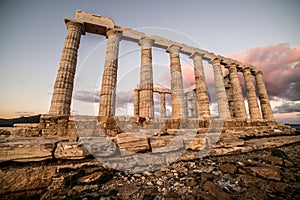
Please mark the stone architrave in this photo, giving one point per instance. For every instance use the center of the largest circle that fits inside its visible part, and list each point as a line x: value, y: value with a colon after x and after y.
x: 162, y: 105
x: 63, y: 87
x: 136, y: 102
x: 109, y: 78
x: 240, y: 110
x: 263, y: 97
x: 201, y: 88
x: 179, y: 106
x: 251, y: 94
x: 146, y: 103
x: 223, y: 107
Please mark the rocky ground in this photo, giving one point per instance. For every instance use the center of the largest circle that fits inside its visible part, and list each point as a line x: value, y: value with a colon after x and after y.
x: 272, y: 173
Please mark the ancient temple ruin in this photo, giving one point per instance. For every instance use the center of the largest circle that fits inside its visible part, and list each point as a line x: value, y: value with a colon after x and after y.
x: 230, y: 100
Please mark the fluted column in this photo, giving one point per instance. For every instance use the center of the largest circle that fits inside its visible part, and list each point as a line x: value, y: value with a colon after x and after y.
x: 201, y: 88
x: 179, y: 107
x: 146, y: 79
x: 229, y: 94
x: 240, y: 110
x: 162, y: 105
x: 109, y: 77
x: 223, y: 107
x: 194, y: 103
x: 251, y: 94
x: 63, y: 87
x: 136, y: 102
x: 263, y: 97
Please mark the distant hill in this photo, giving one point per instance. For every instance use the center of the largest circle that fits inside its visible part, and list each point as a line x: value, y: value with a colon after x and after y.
x: 11, y: 122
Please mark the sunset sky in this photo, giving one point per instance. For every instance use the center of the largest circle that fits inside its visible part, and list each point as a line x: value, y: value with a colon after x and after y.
x: 263, y: 33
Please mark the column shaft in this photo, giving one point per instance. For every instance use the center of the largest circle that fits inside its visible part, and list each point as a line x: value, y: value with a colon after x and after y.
x: 201, y: 88
x: 263, y: 97
x: 162, y: 105
x: 146, y: 79
x: 240, y: 109
x: 136, y: 101
x: 109, y: 77
x: 251, y: 94
x: 63, y: 87
x: 223, y: 107
x: 179, y: 107
x: 229, y: 93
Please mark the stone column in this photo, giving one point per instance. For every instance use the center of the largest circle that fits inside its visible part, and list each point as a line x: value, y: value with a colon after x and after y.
x: 109, y: 77
x: 146, y: 79
x: 251, y: 94
x: 240, y: 110
x: 201, y: 88
x: 194, y: 104
x: 179, y: 107
x: 63, y: 87
x: 162, y: 105
x: 266, y: 109
x: 136, y: 101
x: 223, y: 107
x: 229, y: 94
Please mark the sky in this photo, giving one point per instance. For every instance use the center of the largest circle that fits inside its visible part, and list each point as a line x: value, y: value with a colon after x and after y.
x: 262, y: 33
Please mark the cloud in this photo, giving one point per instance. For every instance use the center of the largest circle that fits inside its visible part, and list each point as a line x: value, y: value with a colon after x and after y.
x: 87, y: 96
x: 287, y: 107
x: 280, y: 65
x: 124, y: 97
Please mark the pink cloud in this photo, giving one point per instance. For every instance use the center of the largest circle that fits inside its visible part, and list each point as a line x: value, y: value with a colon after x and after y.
x: 281, y: 67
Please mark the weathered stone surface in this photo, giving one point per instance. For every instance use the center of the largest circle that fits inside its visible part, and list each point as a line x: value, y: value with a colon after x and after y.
x: 228, y: 168
x: 26, y: 179
x: 272, y: 173
x: 70, y: 150
x: 215, y: 191
x: 166, y: 144
x: 26, y: 149
x: 132, y: 143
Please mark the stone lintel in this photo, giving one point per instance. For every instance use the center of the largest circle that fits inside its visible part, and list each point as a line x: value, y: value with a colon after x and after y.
x: 162, y: 90
x: 94, y: 23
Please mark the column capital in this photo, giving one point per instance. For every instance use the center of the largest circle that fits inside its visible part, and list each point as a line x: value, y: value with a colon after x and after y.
x: 196, y: 53
x: 74, y: 23
x: 112, y: 32
x: 173, y: 48
x: 257, y: 72
x: 146, y: 42
x: 232, y: 65
x: 215, y: 60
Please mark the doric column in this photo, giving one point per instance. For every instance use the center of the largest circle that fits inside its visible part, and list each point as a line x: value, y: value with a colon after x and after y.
x: 136, y: 102
x: 146, y: 79
x: 162, y: 105
x: 109, y: 77
x: 201, y: 88
x: 229, y: 94
x: 223, y: 107
x: 251, y: 94
x: 63, y: 87
x: 179, y: 107
x: 263, y: 97
x: 240, y: 110
x: 191, y: 97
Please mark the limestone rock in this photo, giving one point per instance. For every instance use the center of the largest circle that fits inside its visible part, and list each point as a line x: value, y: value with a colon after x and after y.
x: 26, y: 179
x: 132, y: 143
x: 268, y: 172
x: 70, y: 150
x: 26, y: 149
